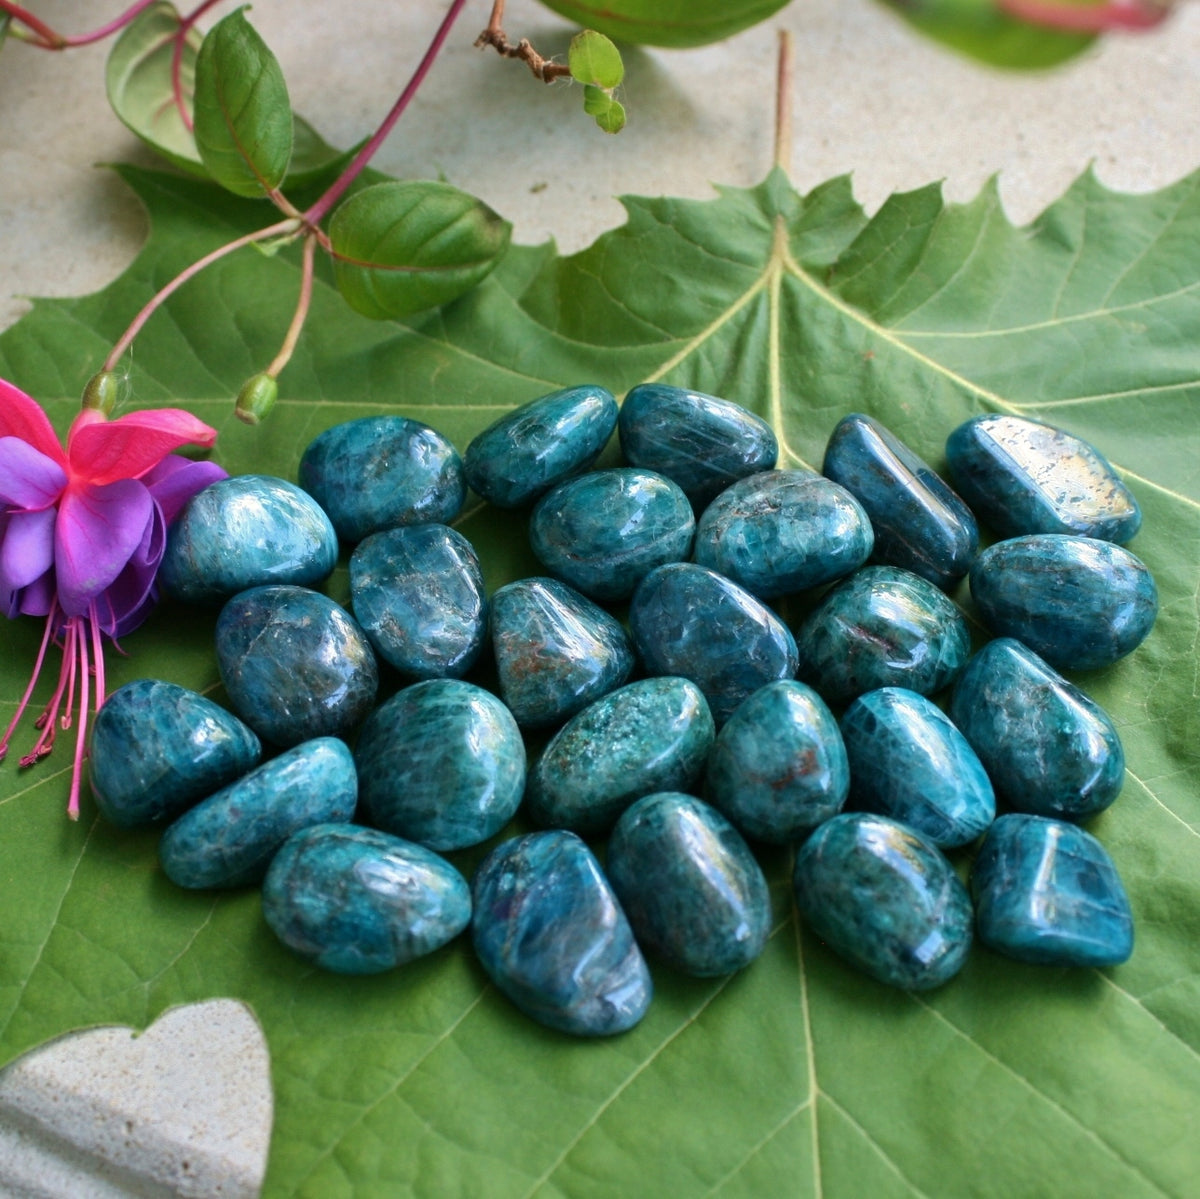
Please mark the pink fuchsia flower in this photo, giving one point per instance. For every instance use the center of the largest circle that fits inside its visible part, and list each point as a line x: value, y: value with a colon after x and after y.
x: 82, y: 533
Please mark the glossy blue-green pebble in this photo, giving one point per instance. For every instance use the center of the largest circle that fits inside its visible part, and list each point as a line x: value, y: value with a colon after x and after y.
x: 1047, y: 892
x: 603, y: 532
x: 246, y: 531
x: 1077, y: 602
x: 1047, y: 747
x: 357, y: 901
x: 700, y: 441
x: 885, y: 898
x: 441, y: 763
x: 652, y: 735
x: 909, y: 762
x: 689, y: 884
x: 553, y: 938
x: 229, y: 839
x: 295, y: 664
x: 534, y: 447
x: 920, y: 523
x: 418, y: 593
x: 157, y: 748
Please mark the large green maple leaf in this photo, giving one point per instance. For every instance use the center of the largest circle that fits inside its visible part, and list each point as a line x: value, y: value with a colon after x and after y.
x: 798, y: 1076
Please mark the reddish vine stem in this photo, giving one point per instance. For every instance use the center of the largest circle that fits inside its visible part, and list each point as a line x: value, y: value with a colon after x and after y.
x: 180, y: 39
x: 47, y: 38
x: 1097, y: 18
x: 494, y: 36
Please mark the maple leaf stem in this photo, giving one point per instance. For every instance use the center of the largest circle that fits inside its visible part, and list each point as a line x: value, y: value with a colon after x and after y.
x: 298, y: 317
x: 783, y: 102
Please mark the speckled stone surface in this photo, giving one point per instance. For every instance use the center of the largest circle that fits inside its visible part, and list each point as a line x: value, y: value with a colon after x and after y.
x: 884, y: 898
x: 295, y: 664
x: 229, y: 839
x: 357, y: 901
x: 551, y: 935
x: 157, y: 748
x: 1047, y: 892
x: 246, y: 531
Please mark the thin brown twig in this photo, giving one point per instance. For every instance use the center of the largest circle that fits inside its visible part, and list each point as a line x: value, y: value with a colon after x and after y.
x: 494, y: 36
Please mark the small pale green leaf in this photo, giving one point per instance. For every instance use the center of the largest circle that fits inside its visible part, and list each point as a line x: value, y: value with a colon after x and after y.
x: 592, y: 58
x: 608, y: 112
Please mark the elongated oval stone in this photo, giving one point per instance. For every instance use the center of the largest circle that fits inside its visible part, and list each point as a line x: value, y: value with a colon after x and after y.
x: 157, y: 748
x: 1077, y: 602
x: 382, y: 471
x: 295, y: 664
x: 229, y: 839
x: 701, y: 442
x: 884, y: 898
x: 538, y: 445
x: 689, y: 884
x: 652, y: 735
x: 357, y: 901
x: 242, y: 532
x: 909, y: 762
x: 551, y: 935
x: 920, y: 523
x: 1047, y: 747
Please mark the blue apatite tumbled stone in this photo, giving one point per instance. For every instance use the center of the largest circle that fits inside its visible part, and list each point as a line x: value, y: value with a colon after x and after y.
x: 1047, y: 892
x: 909, y: 762
x: 605, y: 531
x: 885, y: 898
x: 555, y: 651
x: 550, y: 933
x: 701, y: 442
x: 1047, y: 747
x: 157, y: 748
x: 920, y: 524
x: 358, y: 901
x: 246, y: 531
x: 229, y: 839
x: 689, y: 884
x: 778, y: 767
x: 1077, y: 602
x: 382, y: 471
x: 882, y: 627
x: 1021, y: 476
x: 652, y: 735
x: 418, y: 594
x: 295, y: 664
x: 534, y: 447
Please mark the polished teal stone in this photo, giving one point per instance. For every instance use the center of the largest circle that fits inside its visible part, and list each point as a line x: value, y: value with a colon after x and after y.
x: 157, y: 748
x: 295, y: 664
x: 885, y: 898
x: 358, y: 901
x: 700, y: 441
x: 778, y: 767
x: 441, y: 763
x: 551, y: 935
x: 1047, y: 892
x: 1021, y: 476
x: 882, y: 627
x: 418, y: 594
x: 229, y: 839
x: 1047, y: 747
x: 555, y: 651
x: 909, y: 762
x: 920, y: 523
x: 605, y: 531
x: 652, y: 735
x: 1077, y: 602
x: 246, y: 531
x: 538, y: 445
x: 690, y: 621
x: 379, y: 472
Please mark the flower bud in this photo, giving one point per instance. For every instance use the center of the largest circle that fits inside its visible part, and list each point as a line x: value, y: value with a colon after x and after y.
x: 102, y: 392
x: 256, y: 398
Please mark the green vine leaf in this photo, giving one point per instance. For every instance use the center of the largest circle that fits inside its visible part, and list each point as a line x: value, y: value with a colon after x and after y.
x: 592, y: 58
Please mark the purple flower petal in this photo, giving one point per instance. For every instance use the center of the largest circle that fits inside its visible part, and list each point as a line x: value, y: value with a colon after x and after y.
x: 133, y: 595
x: 28, y: 479
x: 37, y: 598
x: 26, y: 548
x: 176, y: 479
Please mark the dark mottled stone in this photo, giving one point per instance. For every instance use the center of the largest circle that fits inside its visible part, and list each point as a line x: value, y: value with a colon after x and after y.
x: 295, y: 664
x: 1047, y: 747
x: 550, y: 933
x: 1078, y: 602
x: 358, y: 901
x: 157, y: 748
x: 885, y: 898
x: 1047, y: 892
